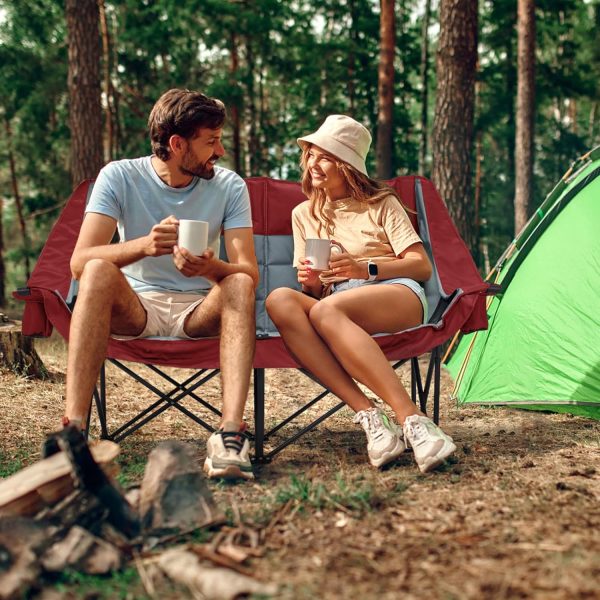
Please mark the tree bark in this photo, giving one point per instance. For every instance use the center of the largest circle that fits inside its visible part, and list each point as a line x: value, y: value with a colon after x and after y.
x: 253, y: 148
x: 17, y: 196
x: 385, y: 89
x: 2, y: 267
x: 525, y: 112
x: 17, y: 351
x: 424, y: 87
x: 235, y: 112
x: 108, y: 87
x: 85, y: 111
x: 452, y: 137
x: 351, y: 56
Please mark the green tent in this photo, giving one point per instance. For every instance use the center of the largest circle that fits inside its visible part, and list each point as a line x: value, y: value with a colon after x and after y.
x: 542, y: 348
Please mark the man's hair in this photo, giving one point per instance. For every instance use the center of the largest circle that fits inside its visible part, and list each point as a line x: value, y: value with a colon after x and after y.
x: 182, y: 112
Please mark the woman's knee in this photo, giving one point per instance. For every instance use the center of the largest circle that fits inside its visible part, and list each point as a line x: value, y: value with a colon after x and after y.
x: 324, y: 315
x: 281, y: 302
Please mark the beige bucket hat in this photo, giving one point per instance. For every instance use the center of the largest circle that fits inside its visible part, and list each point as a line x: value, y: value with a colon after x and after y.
x: 343, y: 137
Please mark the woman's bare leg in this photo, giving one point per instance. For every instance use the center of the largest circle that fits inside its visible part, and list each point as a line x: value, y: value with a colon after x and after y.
x: 346, y: 321
x: 289, y: 310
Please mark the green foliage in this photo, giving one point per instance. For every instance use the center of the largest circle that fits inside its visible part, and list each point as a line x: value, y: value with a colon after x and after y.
x: 566, y: 91
x: 283, y: 65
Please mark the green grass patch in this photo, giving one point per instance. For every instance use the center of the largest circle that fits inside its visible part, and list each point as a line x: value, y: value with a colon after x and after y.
x: 10, y: 464
x: 122, y: 585
x: 354, y: 495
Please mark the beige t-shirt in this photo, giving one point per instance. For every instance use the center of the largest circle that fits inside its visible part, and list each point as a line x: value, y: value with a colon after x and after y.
x: 378, y: 231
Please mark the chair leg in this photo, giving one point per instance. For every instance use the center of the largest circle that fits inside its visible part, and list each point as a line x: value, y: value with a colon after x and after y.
x: 259, y: 415
x: 420, y: 389
x: 99, y: 395
x: 437, y: 357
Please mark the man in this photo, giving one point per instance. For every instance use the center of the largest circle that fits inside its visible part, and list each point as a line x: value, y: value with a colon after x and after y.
x: 146, y: 285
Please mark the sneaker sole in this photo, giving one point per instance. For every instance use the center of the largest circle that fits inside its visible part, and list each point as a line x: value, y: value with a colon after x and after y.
x: 228, y: 472
x: 435, y: 461
x: 390, y: 456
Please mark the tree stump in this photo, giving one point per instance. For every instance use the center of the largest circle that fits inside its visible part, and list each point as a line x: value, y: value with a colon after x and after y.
x: 17, y: 351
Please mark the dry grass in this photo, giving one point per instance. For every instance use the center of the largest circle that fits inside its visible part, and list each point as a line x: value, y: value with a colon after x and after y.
x: 515, y: 515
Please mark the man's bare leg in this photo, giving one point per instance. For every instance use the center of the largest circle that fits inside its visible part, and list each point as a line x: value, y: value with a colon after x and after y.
x: 105, y: 303
x: 228, y: 311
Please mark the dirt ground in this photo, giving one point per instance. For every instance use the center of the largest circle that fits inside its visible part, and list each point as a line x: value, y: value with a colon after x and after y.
x: 515, y: 514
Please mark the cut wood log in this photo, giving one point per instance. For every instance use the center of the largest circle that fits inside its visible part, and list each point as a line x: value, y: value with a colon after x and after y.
x: 20, y: 541
x: 82, y: 551
x: 47, y: 481
x: 17, y: 351
x: 174, y: 496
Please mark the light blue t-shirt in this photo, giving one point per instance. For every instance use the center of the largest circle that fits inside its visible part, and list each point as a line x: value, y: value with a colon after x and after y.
x: 131, y: 192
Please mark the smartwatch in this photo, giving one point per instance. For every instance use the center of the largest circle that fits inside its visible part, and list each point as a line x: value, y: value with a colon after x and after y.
x: 373, y: 271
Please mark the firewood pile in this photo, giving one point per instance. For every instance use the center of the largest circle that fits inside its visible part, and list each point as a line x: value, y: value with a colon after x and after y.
x: 67, y: 512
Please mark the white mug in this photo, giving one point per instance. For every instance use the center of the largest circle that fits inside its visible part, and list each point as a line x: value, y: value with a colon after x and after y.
x: 193, y: 236
x: 318, y: 252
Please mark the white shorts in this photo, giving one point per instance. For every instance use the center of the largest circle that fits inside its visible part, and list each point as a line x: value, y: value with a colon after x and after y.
x: 166, y: 313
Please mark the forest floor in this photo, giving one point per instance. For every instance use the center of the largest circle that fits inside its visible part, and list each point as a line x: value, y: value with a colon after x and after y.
x: 515, y: 514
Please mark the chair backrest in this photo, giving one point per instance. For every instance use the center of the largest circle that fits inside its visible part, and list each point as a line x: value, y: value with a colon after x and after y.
x: 272, y: 203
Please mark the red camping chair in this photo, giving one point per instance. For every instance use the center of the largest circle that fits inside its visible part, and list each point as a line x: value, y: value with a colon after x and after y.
x: 455, y: 292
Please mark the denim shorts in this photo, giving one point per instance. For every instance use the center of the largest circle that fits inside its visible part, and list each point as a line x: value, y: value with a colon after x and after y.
x: 411, y: 284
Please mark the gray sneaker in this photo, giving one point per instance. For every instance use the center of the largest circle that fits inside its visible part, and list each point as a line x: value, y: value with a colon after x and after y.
x: 385, y: 440
x: 228, y: 454
x: 429, y: 443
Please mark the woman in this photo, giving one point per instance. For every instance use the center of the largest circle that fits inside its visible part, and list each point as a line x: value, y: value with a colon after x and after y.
x: 370, y: 287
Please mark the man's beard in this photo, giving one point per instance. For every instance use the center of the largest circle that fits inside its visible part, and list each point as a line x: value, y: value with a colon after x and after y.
x: 190, y: 165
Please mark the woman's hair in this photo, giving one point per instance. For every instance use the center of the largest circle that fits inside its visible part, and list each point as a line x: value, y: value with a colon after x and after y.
x: 362, y: 188
x: 182, y: 112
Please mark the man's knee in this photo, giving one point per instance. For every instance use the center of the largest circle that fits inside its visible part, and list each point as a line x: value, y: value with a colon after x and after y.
x: 239, y: 288
x: 100, y: 275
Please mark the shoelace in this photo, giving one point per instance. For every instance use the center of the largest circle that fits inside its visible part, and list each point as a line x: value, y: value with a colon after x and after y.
x: 233, y: 440
x: 373, y: 421
x: 418, y: 431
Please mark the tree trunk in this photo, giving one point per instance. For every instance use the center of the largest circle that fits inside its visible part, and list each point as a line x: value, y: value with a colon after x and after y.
x: 85, y: 111
x: 385, y: 89
x: 424, y: 87
x: 17, y: 196
x: 235, y: 112
x: 452, y: 139
x: 253, y: 149
x: 525, y: 112
x: 108, y: 87
x: 2, y: 267
x: 351, y: 86
x: 17, y: 351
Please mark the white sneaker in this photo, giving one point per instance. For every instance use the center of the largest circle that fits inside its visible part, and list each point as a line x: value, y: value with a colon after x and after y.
x: 385, y: 440
x: 228, y: 454
x: 429, y: 443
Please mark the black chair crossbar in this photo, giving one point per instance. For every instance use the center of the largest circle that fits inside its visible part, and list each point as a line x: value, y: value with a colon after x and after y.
x: 420, y: 391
